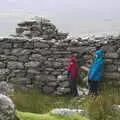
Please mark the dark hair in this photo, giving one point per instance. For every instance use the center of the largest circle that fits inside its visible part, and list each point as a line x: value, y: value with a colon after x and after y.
x: 98, y: 47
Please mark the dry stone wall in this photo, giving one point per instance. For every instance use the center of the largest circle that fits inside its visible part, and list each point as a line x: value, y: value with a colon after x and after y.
x: 37, y: 63
x: 39, y: 28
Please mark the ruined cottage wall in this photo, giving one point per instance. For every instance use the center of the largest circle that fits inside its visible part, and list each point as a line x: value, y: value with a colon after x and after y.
x: 34, y: 63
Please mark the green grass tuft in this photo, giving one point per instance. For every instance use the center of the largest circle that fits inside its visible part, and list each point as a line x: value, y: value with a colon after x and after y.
x: 36, y: 102
x: 31, y: 116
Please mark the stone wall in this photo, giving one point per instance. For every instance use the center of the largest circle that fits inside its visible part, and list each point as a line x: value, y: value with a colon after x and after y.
x: 112, y: 61
x: 40, y: 27
x: 37, y: 63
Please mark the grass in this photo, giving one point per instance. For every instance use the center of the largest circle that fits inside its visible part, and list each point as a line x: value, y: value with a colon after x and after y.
x: 48, y: 116
x: 98, y: 108
x: 36, y: 102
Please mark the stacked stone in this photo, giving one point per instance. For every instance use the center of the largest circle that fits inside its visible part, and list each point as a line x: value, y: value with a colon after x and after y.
x: 7, y: 108
x: 112, y: 61
x: 39, y: 28
x: 36, y: 63
x: 33, y: 64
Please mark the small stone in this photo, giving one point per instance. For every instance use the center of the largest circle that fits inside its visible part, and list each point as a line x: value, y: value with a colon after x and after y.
x: 112, y: 55
x: 47, y: 89
x: 32, y: 64
x: 15, y: 65
x: 67, y: 112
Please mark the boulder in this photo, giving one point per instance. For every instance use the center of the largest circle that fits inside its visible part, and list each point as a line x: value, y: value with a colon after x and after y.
x: 7, y: 108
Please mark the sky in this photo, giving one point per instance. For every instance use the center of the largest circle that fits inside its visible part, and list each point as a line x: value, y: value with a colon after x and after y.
x: 77, y: 17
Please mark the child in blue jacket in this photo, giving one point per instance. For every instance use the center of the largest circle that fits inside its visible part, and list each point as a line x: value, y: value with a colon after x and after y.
x: 96, y: 72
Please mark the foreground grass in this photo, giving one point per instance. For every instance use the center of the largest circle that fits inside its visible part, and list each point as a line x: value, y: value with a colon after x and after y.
x: 36, y: 102
x: 31, y: 116
x: 98, y: 108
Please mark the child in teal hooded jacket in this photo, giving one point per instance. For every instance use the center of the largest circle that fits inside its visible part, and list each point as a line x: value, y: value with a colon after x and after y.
x: 96, y: 72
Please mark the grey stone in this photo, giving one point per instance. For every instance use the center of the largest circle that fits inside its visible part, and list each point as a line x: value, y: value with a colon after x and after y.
x: 48, y: 63
x: 118, y: 51
x: 108, y: 48
x: 15, y: 65
x: 10, y: 89
x: 45, y: 52
x: 49, y: 69
x: 113, y: 76
x: 57, y: 64
x: 30, y: 76
x: 19, y: 30
x: 23, y: 58
x: 17, y: 73
x: 36, y: 57
x: 39, y: 77
x: 57, y: 93
x: 18, y: 45
x: 6, y: 51
x: 3, y: 78
x: 43, y: 78
x: 56, y: 73
x: 4, y: 71
x: 6, y: 45
x: 12, y: 58
x: 3, y: 57
x: 61, y: 78
x: 51, y: 78
x: 112, y: 55
x: 20, y: 52
x: 32, y: 64
x: 7, y: 108
x: 65, y: 83
x: 52, y: 84
x: 28, y: 45
x: 108, y: 61
x: 40, y: 45
x: 20, y: 80
x: 82, y: 91
x: 3, y: 88
x: 67, y: 112
x: 2, y: 65
x: 116, y: 107
x: 33, y: 71
x: 16, y: 51
x: 67, y: 90
x: 111, y: 68
x: 63, y: 90
x: 48, y: 89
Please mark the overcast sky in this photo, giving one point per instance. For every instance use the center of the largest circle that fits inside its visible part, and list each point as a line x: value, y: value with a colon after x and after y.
x: 74, y: 16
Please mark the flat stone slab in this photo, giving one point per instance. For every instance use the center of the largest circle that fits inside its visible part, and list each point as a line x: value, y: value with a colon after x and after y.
x: 116, y: 107
x: 66, y: 111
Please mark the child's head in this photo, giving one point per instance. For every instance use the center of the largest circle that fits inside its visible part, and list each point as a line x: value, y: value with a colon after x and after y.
x: 73, y: 60
x: 98, y: 47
